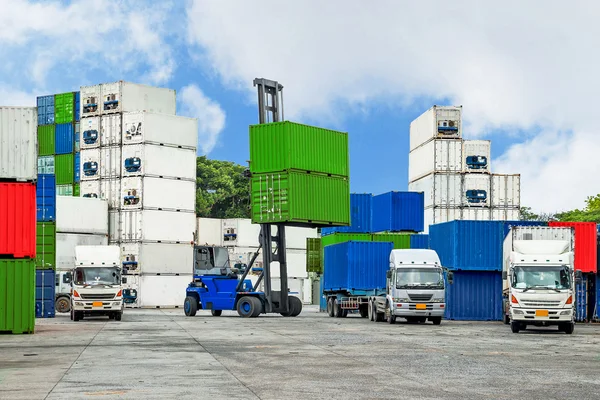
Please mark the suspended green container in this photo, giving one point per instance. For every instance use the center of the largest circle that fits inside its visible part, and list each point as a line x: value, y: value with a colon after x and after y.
x: 64, y: 107
x: 45, y: 245
x: 17, y: 295
x: 313, y: 255
x: 76, y: 190
x: 400, y: 241
x: 46, y: 139
x: 282, y: 146
x: 63, y: 165
x: 300, y: 199
x: 345, y: 237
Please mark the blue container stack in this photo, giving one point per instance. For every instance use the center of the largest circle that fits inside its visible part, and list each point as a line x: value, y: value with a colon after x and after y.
x: 420, y: 241
x: 64, y: 138
x: 45, y: 287
x: 398, y: 212
x: 474, y: 296
x: 361, y: 205
x: 46, y: 198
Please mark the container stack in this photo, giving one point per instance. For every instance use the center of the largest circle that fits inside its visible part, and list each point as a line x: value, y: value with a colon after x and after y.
x: 18, y: 174
x: 455, y: 174
x: 141, y: 158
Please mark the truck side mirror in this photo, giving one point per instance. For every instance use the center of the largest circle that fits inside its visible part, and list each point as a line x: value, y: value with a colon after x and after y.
x: 67, y: 277
x: 450, y: 277
x: 388, y: 274
x: 504, y: 275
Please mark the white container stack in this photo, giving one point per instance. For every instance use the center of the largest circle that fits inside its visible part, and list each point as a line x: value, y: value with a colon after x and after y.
x: 455, y: 174
x: 141, y: 158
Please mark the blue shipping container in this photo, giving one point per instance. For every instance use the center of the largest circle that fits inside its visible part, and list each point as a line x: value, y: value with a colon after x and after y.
x: 77, y: 105
x: 474, y: 296
x: 356, y: 267
x: 419, y: 241
x: 398, y: 212
x: 581, y: 304
x: 468, y: 245
x: 45, y: 106
x: 45, y: 289
x: 360, y: 215
x: 64, y: 138
x: 76, y: 167
x: 46, y: 198
x: 508, y: 224
x: 322, y: 299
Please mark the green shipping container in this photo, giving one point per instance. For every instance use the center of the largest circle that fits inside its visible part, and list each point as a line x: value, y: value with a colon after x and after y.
x: 46, y: 140
x: 300, y: 199
x: 76, y: 190
x: 17, y: 295
x: 45, y: 245
x: 282, y: 146
x: 400, y: 241
x: 345, y: 237
x: 313, y: 255
x: 64, y: 190
x: 63, y: 165
x: 64, y: 106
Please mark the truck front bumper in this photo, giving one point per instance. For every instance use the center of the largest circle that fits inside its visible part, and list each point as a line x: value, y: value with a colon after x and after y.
x: 99, y: 306
x: 542, y: 317
x: 419, y: 309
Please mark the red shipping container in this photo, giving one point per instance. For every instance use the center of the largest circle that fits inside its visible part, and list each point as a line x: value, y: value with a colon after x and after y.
x: 17, y: 219
x: 586, y: 250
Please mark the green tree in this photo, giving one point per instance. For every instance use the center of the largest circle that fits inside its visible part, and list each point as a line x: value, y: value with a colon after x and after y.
x: 591, y: 212
x: 222, y: 191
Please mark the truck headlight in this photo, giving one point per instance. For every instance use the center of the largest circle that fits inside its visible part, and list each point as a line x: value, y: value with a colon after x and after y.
x: 517, y: 311
x: 78, y: 303
x: 566, y: 312
x: 438, y: 300
x: 401, y: 300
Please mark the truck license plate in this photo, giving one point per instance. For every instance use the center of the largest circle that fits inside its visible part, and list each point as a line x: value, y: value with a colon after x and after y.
x: 97, y: 304
x: 421, y: 307
x: 541, y: 313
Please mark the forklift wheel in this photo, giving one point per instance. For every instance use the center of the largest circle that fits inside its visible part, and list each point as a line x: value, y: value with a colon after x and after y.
x: 295, y: 306
x: 216, y: 313
x: 190, y: 306
x: 248, y: 307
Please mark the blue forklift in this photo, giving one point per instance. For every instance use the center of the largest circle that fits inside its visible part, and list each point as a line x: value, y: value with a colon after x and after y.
x: 217, y: 286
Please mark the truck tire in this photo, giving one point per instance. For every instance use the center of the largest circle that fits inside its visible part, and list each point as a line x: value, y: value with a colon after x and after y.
x: 391, y: 317
x: 62, y: 304
x: 363, y: 311
x: 379, y: 316
x: 337, y: 309
x: 515, y: 327
x: 246, y: 307
x: 330, y: 309
x: 295, y: 306
x: 371, y: 313
x: 118, y: 316
x: 216, y: 313
x: 506, y: 319
x: 77, y: 315
x: 568, y: 328
x: 190, y: 306
x: 436, y: 320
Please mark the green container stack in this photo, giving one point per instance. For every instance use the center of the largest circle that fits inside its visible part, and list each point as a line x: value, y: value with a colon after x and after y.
x: 45, y: 245
x: 17, y: 295
x: 300, y: 175
x: 314, y: 262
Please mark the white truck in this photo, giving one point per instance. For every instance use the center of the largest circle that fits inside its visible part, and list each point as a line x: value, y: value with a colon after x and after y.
x: 96, y: 283
x: 539, y: 278
x: 415, y: 289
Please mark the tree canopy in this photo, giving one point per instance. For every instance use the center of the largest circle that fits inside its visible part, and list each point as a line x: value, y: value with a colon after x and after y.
x: 591, y: 213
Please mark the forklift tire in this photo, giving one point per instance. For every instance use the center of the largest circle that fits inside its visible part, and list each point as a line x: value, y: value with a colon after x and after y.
x: 330, y: 309
x: 190, y: 306
x: 246, y: 307
x: 118, y: 316
x: 216, y: 313
x: 259, y: 307
x: 295, y: 306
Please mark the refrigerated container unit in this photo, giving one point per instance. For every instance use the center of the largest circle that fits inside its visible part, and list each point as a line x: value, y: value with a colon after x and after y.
x: 242, y: 232
x: 17, y: 302
x: 437, y: 155
x: 90, y: 164
x: 66, y: 243
x: 64, y: 139
x: 81, y: 215
x: 439, y: 190
x: 361, y: 208
x: 443, y: 122
x: 17, y: 219
x: 45, y: 292
x: 158, y: 161
x: 476, y: 190
x: 157, y: 258
x: 151, y: 226
x: 152, y: 128
x: 45, y: 110
x: 437, y: 215
x: 46, y: 165
x: 18, y: 153
x: 45, y: 245
x: 46, y: 197
x: 474, y: 296
x: 586, y: 256
x: 122, y: 97
x: 506, y: 191
x: 90, y: 98
x: 111, y: 130
x: 64, y: 108
x: 157, y: 193
x: 90, y: 132
x: 398, y: 212
x: 477, y: 156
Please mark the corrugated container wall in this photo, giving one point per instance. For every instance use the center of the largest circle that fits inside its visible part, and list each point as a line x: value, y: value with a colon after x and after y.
x: 586, y: 237
x: 283, y: 146
x: 17, y: 295
x: 356, y: 266
x: 64, y: 138
x: 439, y: 190
x: 506, y: 190
x: 468, y: 245
x: 581, y: 299
x: 81, y: 215
x: 77, y: 167
x: 45, y: 110
x: 398, y: 212
x: 438, y: 155
x: 419, y: 241
x: 437, y: 122
x: 157, y: 193
x: 153, y: 226
x: 345, y: 237
x: 476, y: 214
x: 64, y: 105
x: 45, y: 286
x: 399, y: 241
x: 159, y: 161
x: 360, y: 215
x: 111, y: 130
x: 158, y: 258
x: 505, y: 214
x: 45, y: 245
x: 143, y: 127
x: 474, y: 296
x: 64, y: 165
x: 209, y: 231
x: 46, y: 197
x: 122, y: 97
x: 17, y: 219
x: 77, y: 106
x: 302, y: 199
x: 18, y: 152
x: 477, y: 156
x: 46, y: 140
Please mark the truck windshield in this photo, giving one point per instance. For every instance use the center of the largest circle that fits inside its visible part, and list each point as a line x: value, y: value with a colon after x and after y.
x: 538, y: 277
x: 425, y: 278
x: 97, y: 276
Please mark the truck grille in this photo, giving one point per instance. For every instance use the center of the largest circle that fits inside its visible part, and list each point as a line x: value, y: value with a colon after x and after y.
x: 97, y: 296
x: 541, y: 304
x: 420, y: 297
x: 429, y: 307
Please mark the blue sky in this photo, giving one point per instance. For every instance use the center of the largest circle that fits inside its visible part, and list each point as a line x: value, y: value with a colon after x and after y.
x: 526, y: 79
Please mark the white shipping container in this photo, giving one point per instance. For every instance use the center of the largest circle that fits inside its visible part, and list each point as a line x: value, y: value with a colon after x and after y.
x: 144, y: 127
x: 162, y: 291
x: 18, y: 143
x: 89, y: 164
x: 439, y: 189
x: 439, y: 155
x: 295, y: 238
x: 240, y: 233
x: 90, y: 99
x: 120, y: 97
x: 437, y: 215
x: 81, y: 215
x: 209, y: 231
x: 155, y: 226
x: 477, y: 155
x: 110, y: 162
x: 505, y: 214
x: 110, y: 130
x: 90, y: 189
x: 159, y: 161
x: 46, y: 165
x: 437, y: 122
x: 476, y: 214
x: 296, y: 261
x: 506, y: 190
x: 544, y: 233
x: 476, y: 190
x: 110, y: 190
x: 296, y: 287
x: 157, y: 193
x: 158, y: 258
x: 90, y: 133
x: 65, y: 247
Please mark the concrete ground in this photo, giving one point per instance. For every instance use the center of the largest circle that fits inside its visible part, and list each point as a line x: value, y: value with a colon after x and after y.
x: 161, y: 354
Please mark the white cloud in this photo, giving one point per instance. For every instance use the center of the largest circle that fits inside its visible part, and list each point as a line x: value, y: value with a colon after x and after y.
x: 514, y: 66
x: 211, y: 117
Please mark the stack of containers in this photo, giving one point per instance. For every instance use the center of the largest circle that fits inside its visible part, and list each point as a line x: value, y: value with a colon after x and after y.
x: 18, y: 175
x: 141, y: 158
x: 455, y: 174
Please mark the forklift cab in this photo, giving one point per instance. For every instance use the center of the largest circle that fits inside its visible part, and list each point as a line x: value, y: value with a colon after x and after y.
x: 213, y: 261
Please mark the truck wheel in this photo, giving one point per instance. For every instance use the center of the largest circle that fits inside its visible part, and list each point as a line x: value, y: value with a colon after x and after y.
x: 363, y: 311
x: 77, y: 315
x: 118, y: 316
x: 216, y: 313
x: 190, y: 306
x: 295, y: 306
x: 436, y: 320
x: 337, y: 309
x: 515, y: 327
x: 246, y: 307
x: 330, y: 309
x: 569, y: 328
x: 391, y: 317
x: 506, y: 319
x: 371, y: 313
x: 72, y: 318
x: 62, y: 305
x: 379, y: 316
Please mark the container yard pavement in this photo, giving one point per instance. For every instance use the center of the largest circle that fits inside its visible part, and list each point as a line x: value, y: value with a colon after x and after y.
x: 161, y: 354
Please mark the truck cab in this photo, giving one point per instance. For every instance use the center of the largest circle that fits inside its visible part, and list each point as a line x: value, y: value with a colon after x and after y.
x: 96, y: 287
